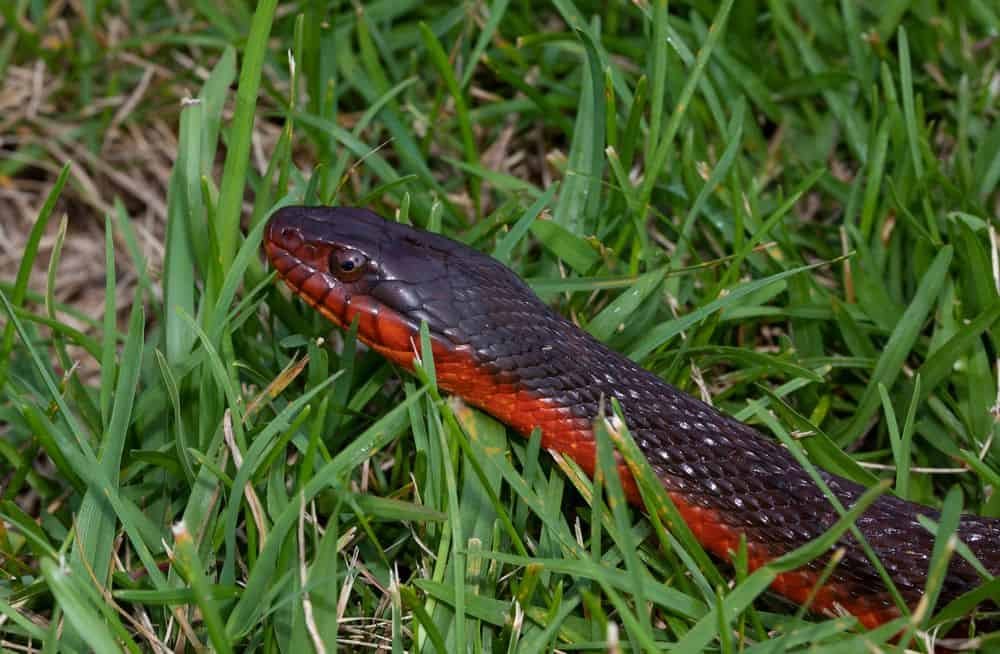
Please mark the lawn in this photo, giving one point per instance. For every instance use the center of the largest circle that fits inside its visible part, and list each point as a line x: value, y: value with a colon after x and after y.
x: 787, y: 208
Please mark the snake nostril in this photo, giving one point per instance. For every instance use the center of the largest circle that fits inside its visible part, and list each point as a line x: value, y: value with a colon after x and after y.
x: 292, y: 238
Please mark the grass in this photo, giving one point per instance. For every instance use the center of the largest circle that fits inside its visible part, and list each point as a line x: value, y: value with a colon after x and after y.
x: 789, y: 207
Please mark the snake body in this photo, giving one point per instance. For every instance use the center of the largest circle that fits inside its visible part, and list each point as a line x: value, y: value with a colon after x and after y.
x: 500, y: 348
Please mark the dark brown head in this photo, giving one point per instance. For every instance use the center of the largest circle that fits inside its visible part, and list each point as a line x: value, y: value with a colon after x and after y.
x: 350, y: 262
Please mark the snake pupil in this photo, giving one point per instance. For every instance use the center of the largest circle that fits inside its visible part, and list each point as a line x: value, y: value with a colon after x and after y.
x: 347, y: 265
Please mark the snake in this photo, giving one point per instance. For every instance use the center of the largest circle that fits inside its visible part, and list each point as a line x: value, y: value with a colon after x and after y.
x: 501, y: 348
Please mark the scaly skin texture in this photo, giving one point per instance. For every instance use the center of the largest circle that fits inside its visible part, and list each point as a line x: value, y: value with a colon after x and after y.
x: 499, y: 347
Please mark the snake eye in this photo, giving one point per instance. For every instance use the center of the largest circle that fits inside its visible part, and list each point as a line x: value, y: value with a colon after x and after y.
x: 347, y: 265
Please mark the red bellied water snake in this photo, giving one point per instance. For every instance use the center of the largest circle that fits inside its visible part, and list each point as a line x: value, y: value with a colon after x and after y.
x: 499, y: 347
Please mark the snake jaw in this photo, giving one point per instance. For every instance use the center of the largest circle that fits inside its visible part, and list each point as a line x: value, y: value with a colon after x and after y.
x: 303, y: 265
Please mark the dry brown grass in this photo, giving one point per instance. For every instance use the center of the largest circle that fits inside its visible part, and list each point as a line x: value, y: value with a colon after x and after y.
x: 121, y: 147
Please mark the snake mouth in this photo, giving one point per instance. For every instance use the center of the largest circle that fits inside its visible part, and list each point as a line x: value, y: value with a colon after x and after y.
x: 289, y: 246
x: 303, y: 263
x: 282, y: 260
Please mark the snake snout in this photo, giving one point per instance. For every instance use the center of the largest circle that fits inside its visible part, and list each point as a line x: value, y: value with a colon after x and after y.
x: 283, y: 243
x: 284, y: 235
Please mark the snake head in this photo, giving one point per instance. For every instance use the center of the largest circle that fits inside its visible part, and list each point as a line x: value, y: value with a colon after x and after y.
x: 350, y: 263
x: 319, y: 250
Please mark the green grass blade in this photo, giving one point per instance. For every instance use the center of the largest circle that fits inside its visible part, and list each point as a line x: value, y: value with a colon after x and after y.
x: 900, y: 343
x: 663, y: 333
x: 227, y: 226
x: 19, y: 291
